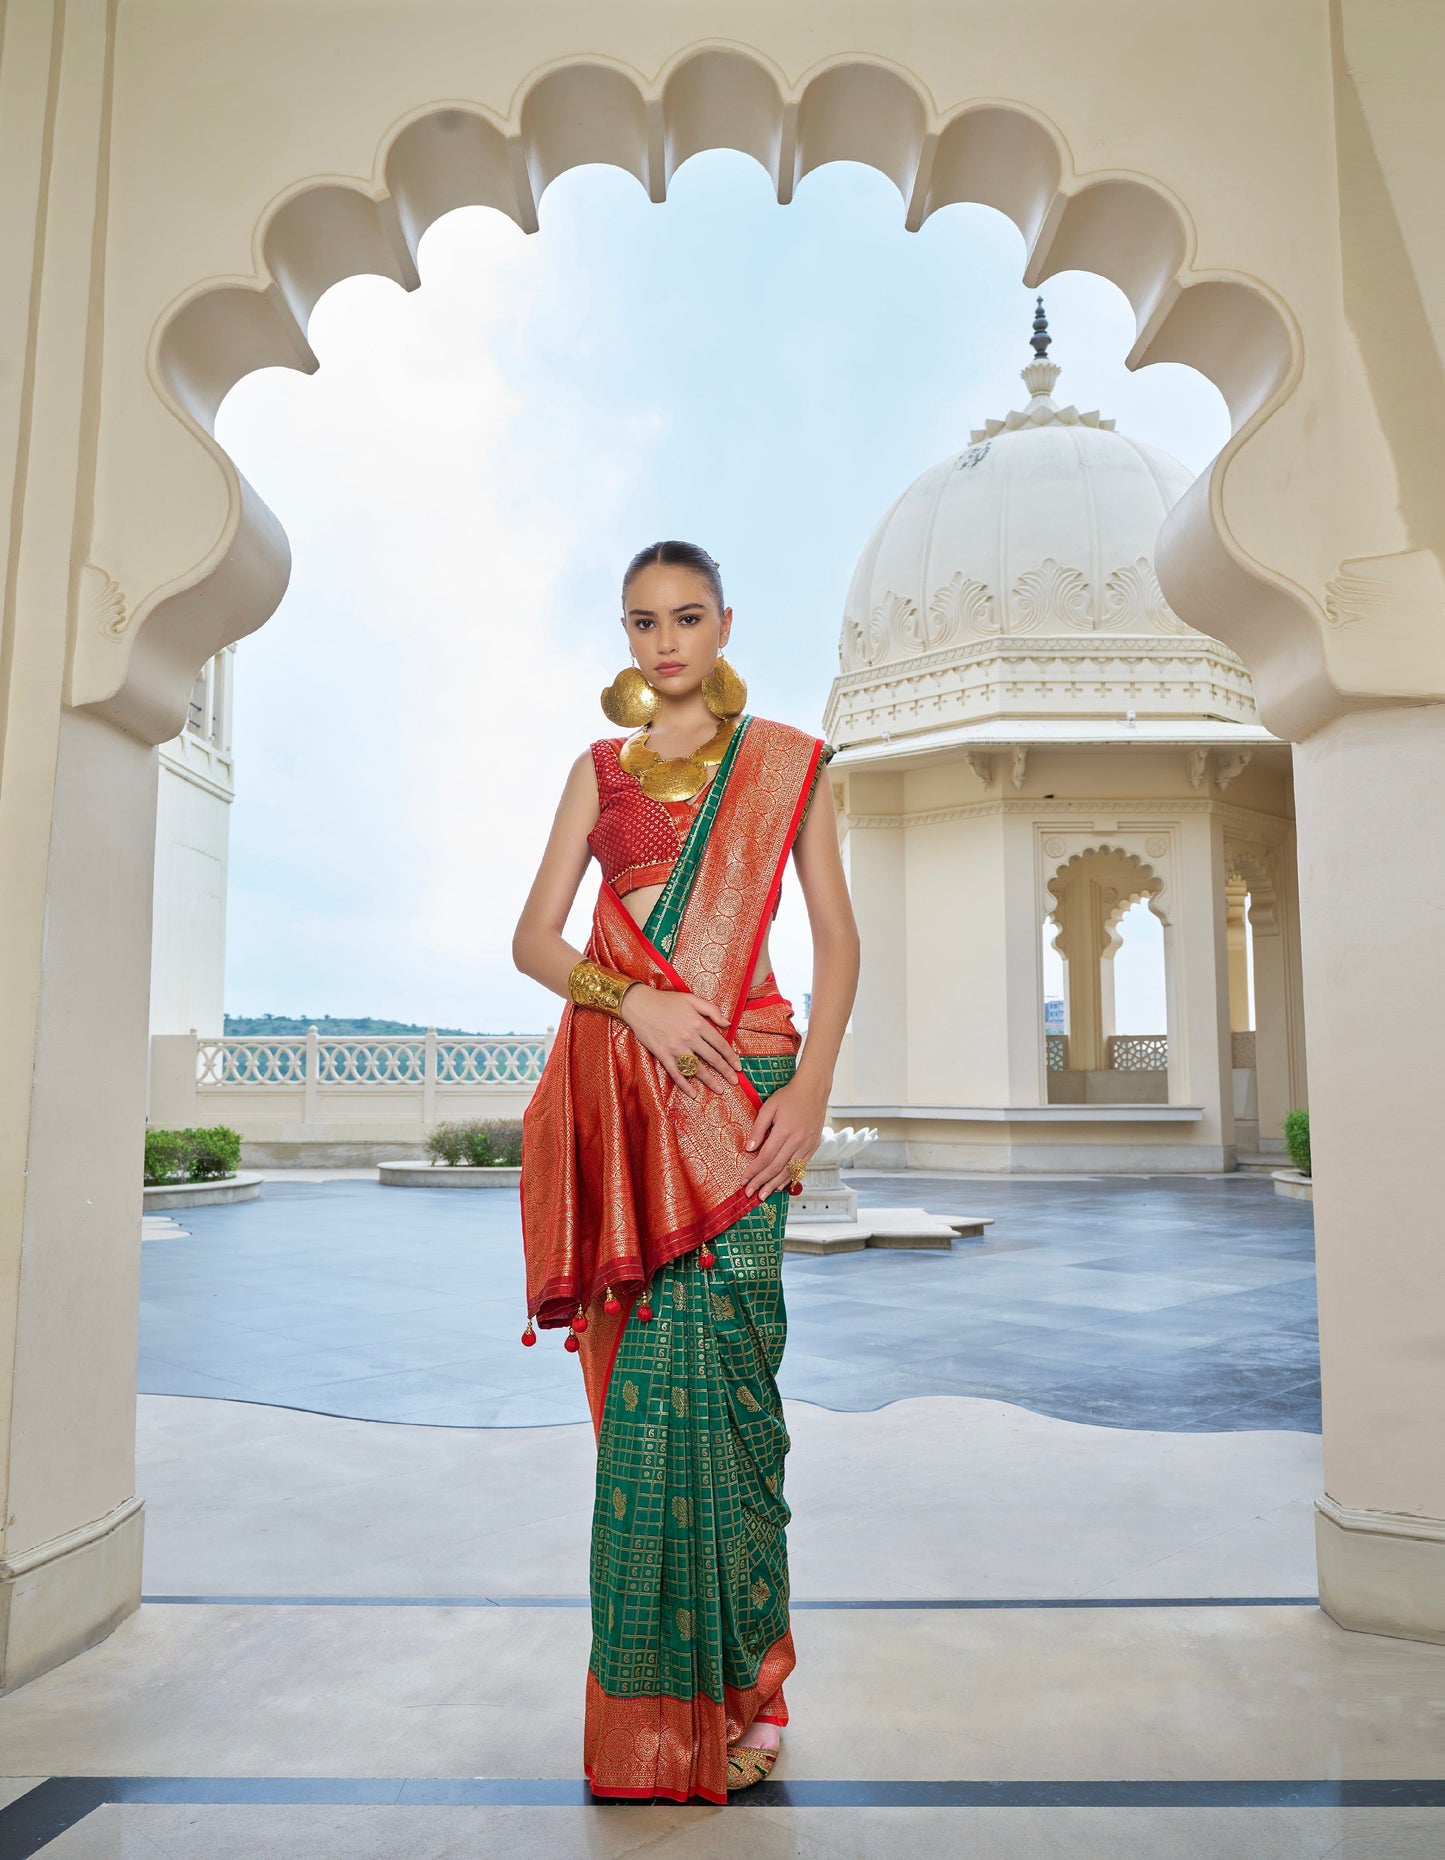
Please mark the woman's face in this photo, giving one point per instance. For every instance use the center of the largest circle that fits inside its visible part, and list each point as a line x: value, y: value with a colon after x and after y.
x: 673, y: 627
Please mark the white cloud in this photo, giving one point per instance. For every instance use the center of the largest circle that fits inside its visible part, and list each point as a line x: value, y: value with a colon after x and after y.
x: 405, y: 723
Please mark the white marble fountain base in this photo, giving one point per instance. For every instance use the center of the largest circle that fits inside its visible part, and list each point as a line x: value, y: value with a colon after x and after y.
x: 907, y: 1227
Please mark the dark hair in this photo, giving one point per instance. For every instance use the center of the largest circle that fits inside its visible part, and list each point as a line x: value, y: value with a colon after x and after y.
x: 677, y: 555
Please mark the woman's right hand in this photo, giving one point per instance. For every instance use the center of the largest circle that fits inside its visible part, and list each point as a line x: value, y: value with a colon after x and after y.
x: 670, y: 1023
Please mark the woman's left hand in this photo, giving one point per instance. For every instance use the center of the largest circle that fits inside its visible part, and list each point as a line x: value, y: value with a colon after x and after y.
x: 789, y: 1123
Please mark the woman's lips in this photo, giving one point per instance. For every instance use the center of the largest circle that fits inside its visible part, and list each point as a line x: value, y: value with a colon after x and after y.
x: 671, y: 666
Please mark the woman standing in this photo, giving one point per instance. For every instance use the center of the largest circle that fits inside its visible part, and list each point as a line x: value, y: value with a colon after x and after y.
x: 674, y: 1113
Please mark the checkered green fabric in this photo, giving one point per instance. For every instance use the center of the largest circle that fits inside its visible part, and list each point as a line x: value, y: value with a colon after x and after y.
x: 689, y: 1549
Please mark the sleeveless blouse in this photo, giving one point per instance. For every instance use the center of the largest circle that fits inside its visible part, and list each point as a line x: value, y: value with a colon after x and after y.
x: 637, y: 839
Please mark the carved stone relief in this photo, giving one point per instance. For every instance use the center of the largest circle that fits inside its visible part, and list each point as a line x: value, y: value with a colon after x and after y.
x: 1049, y: 595
x: 102, y: 607
x: 1134, y: 602
x: 958, y: 605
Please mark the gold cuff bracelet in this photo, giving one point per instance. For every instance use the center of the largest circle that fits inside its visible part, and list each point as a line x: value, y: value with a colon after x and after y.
x: 591, y: 986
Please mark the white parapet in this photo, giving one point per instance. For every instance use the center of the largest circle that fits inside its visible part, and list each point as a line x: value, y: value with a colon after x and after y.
x: 317, y: 1100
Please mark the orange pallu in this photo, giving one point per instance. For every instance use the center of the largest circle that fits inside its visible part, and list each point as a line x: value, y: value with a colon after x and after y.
x: 622, y: 1172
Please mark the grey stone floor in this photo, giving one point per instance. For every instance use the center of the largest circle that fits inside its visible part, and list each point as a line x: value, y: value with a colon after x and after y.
x: 1166, y: 1302
x: 1019, y: 1638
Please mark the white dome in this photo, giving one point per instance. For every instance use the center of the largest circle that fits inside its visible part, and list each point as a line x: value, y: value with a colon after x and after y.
x: 1017, y: 577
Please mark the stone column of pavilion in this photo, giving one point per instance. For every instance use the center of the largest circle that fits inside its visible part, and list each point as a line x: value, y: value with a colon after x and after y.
x: 1025, y: 729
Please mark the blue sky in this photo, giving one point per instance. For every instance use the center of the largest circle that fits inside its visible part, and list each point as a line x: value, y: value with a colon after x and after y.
x: 467, y: 473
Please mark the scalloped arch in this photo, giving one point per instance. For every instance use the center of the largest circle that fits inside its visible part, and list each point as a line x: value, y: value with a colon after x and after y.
x: 1152, y: 884
x: 451, y: 153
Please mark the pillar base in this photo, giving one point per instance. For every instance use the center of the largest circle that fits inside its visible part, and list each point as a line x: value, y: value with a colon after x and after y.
x: 1381, y: 1572
x: 66, y: 1595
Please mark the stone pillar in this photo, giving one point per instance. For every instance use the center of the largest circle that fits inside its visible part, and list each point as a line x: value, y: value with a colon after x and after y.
x: 1080, y: 916
x: 1201, y: 1061
x: 70, y: 1557
x: 1372, y: 898
x: 77, y: 834
x: 1271, y: 1015
x: 1236, y: 891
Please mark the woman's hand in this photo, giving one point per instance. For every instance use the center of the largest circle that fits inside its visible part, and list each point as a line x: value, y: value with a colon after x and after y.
x: 669, y: 1023
x: 789, y: 1123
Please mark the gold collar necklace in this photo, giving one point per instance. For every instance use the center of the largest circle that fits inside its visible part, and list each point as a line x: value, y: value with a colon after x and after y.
x: 675, y: 778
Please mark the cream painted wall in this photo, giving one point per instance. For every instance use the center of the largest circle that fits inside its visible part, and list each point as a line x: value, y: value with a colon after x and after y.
x: 188, y: 965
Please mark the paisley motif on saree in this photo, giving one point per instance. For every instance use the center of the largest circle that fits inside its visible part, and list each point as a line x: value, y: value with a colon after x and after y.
x: 621, y: 1172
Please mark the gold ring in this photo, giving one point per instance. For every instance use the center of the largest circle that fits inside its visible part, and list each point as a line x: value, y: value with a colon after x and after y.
x: 796, y: 1167
x: 689, y: 1065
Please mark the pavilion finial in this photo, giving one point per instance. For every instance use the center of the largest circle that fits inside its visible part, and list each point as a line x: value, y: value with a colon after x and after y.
x: 1040, y: 374
x: 1040, y: 339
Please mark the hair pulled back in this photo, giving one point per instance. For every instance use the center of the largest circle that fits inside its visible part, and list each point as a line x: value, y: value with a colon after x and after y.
x: 676, y: 554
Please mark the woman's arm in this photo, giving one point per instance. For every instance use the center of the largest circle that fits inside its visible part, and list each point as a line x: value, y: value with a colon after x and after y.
x: 790, y: 1120
x: 538, y: 947
x: 667, y: 1023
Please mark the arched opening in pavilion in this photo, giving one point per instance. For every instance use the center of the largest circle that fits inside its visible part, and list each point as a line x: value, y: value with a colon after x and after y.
x: 1093, y: 1060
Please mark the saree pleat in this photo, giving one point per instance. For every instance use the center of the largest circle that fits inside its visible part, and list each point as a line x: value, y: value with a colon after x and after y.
x: 689, y: 1573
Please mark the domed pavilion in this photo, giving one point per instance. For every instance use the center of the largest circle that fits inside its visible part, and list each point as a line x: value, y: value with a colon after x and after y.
x: 1029, y: 741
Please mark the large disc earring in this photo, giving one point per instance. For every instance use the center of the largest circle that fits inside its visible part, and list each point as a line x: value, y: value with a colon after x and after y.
x: 723, y: 690
x: 629, y: 701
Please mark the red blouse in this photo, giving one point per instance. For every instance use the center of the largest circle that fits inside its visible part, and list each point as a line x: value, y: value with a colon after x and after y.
x: 637, y: 839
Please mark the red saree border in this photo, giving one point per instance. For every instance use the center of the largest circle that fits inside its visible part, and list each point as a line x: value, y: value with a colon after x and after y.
x: 682, y: 1743
x: 775, y: 886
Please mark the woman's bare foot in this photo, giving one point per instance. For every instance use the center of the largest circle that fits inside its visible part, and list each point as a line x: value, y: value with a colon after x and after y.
x: 762, y: 1736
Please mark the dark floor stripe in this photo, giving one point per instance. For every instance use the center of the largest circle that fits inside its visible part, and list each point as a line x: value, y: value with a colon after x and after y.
x: 581, y: 1601
x: 57, y: 1804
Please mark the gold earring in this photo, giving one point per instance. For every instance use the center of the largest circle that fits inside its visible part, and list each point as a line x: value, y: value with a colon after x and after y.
x: 723, y: 690
x: 629, y: 701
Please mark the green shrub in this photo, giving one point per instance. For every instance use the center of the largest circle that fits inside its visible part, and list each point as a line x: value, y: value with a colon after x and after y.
x: 478, y: 1143
x: 215, y: 1152
x: 1297, y: 1140
x: 165, y: 1158
x: 444, y: 1144
x: 191, y: 1155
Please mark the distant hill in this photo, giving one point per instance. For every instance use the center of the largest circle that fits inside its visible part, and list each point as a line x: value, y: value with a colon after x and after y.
x: 274, y: 1025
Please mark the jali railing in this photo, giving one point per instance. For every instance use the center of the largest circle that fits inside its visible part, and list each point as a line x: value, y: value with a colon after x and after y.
x: 1137, y: 1052
x: 314, y: 1059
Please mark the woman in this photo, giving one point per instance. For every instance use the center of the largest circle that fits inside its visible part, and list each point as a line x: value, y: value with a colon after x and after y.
x: 673, y: 1115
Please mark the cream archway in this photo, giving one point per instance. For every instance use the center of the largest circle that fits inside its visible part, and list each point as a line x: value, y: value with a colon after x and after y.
x: 1259, y: 187
x: 445, y: 155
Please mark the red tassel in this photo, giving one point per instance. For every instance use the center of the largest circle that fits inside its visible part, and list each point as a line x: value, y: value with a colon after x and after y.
x: 644, y: 1310
x: 571, y: 1343
x: 612, y: 1304
x: 529, y: 1336
x: 579, y: 1323
x: 795, y: 1188
x: 707, y: 1259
